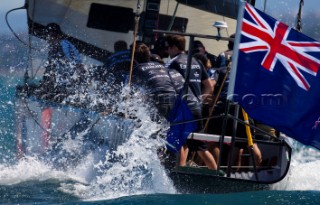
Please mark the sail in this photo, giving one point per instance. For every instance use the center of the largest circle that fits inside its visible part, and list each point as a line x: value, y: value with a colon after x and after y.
x: 276, y: 76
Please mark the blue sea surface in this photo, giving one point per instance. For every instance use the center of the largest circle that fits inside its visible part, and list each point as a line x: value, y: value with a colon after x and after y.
x: 48, y: 194
x: 246, y: 198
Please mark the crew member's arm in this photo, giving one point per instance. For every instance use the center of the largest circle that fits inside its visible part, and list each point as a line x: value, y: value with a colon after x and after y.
x: 207, y: 90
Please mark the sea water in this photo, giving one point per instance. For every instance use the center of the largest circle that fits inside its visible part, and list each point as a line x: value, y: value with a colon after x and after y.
x: 135, y: 177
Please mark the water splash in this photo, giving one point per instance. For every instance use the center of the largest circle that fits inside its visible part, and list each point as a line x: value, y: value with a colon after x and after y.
x: 31, y: 169
x: 303, y: 171
x: 124, y: 163
x: 133, y: 168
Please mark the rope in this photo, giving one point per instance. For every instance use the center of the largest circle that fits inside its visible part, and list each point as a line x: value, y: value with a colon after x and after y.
x: 136, y: 24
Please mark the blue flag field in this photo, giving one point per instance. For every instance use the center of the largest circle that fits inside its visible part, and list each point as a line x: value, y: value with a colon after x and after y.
x: 180, y: 128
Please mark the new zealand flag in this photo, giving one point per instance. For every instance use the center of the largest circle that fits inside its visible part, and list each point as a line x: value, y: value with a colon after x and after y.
x: 277, y: 80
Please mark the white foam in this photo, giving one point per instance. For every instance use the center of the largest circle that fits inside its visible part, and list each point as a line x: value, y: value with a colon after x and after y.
x: 31, y: 169
x: 304, y: 170
x: 132, y: 168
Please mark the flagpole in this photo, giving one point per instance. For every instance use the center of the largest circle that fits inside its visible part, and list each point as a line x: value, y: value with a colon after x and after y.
x: 235, y: 52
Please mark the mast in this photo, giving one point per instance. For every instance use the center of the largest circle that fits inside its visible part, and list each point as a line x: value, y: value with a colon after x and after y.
x: 299, y: 16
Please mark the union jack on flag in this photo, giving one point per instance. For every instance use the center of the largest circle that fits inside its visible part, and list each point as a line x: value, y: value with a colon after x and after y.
x: 273, y: 38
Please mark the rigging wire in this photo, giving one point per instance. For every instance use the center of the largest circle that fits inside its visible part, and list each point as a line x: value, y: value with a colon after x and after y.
x: 26, y: 75
x: 7, y: 22
x: 25, y: 6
